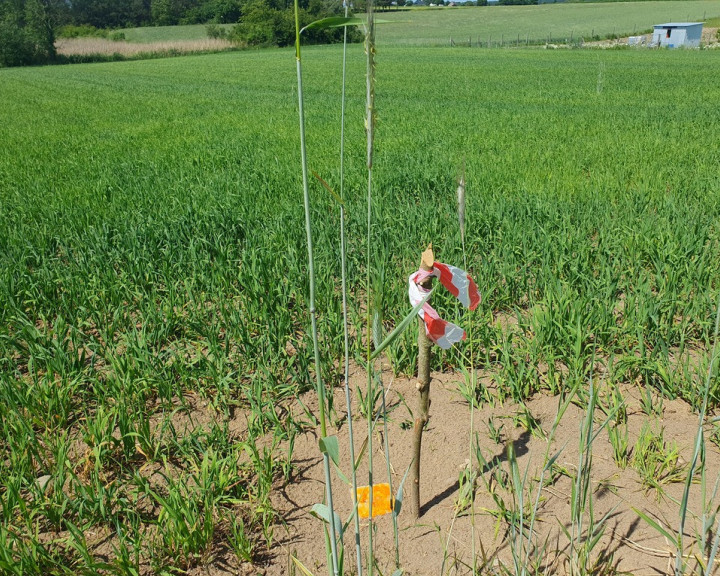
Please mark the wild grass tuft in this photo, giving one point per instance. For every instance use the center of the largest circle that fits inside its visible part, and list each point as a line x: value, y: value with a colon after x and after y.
x: 657, y: 461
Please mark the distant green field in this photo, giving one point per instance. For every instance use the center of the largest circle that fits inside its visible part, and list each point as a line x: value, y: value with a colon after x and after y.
x: 558, y: 21
x: 152, y: 254
x: 435, y: 26
x: 166, y: 33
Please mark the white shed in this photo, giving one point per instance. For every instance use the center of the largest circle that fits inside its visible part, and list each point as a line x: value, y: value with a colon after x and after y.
x: 676, y: 34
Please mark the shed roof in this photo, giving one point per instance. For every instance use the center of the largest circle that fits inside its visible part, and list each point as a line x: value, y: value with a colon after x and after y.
x: 678, y: 25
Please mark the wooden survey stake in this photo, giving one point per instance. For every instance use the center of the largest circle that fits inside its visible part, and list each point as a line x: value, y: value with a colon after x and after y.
x: 427, y: 260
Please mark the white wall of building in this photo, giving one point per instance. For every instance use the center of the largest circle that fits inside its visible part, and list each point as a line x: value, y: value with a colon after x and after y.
x: 675, y: 37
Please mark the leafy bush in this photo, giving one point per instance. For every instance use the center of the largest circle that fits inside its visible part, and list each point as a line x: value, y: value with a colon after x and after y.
x: 215, y: 31
x: 218, y: 11
x: 81, y: 31
x: 262, y: 24
x: 227, y: 11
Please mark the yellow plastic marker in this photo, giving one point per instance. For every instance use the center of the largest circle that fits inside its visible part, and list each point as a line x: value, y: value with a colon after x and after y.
x: 382, y: 501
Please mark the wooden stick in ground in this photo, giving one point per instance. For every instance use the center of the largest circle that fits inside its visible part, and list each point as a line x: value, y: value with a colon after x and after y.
x: 423, y: 385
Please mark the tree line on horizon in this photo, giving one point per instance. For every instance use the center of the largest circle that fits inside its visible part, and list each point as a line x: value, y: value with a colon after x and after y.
x: 29, y: 28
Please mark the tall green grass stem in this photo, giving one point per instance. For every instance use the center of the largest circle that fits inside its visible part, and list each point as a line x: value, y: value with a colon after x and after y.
x: 461, y: 191
x: 311, y: 277
x: 346, y: 331
x: 369, y: 121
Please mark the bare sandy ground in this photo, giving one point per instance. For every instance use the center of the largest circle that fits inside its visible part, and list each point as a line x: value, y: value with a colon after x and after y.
x: 439, y: 542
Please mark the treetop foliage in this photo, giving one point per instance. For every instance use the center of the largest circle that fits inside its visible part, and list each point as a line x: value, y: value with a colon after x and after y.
x: 27, y: 31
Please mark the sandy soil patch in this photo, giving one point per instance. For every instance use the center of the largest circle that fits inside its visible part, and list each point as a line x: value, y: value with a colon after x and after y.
x: 440, y: 541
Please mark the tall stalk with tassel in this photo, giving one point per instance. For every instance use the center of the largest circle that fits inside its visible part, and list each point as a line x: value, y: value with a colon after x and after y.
x: 329, y: 445
x: 343, y: 266
x: 370, y: 131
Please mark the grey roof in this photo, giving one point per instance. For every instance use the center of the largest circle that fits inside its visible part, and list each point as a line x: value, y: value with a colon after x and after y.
x: 678, y: 25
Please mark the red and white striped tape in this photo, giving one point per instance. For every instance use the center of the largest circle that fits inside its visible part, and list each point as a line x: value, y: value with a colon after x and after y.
x: 460, y: 285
